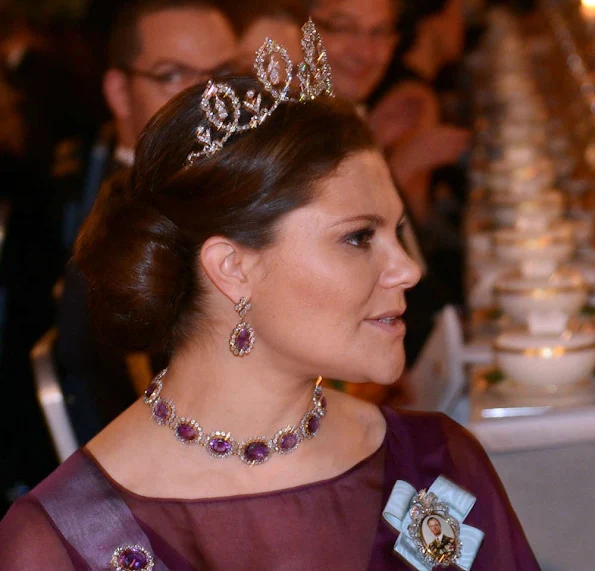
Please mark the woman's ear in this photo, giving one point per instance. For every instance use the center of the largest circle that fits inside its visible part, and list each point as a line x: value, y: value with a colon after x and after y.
x: 229, y: 266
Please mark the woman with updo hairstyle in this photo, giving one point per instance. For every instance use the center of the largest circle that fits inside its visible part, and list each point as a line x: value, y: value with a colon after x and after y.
x: 257, y: 241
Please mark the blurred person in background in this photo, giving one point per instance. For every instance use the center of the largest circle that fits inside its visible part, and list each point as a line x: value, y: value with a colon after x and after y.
x: 256, y: 20
x: 157, y: 49
x: 361, y: 38
x: 428, y: 59
x: 41, y: 107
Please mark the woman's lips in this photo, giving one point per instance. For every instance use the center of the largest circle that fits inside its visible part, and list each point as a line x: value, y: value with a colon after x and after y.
x: 393, y: 325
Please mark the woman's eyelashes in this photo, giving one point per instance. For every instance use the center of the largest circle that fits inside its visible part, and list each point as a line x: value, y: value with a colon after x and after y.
x: 360, y: 238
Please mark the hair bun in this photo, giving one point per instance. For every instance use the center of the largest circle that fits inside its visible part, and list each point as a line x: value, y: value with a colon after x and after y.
x: 140, y: 275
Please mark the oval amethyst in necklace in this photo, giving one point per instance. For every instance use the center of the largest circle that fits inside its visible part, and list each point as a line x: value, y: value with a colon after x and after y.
x: 220, y: 444
x: 255, y: 451
x: 188, y: 431
x: 287, y: 440
x: 310, y: 424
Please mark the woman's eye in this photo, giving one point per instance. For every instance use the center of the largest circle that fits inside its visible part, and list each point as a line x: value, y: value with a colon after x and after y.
x: 361, y: 238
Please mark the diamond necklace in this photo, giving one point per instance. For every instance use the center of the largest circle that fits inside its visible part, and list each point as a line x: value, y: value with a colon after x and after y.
x: 218, y: 444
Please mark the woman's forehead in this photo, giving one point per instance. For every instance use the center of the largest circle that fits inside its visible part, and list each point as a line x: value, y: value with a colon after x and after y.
x: 362, y: 182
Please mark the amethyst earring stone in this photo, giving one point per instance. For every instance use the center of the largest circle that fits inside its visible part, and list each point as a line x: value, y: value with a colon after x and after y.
x: 242, y: 337
x: 132, y: 558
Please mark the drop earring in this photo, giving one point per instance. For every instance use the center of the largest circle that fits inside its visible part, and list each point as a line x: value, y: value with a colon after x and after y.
x: 242, y: 337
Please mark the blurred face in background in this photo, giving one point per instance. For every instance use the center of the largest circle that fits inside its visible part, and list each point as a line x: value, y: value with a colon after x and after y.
x: 178, y: 48
x: 449, y: 31
x: 360, y: 38
x: 282, y: 30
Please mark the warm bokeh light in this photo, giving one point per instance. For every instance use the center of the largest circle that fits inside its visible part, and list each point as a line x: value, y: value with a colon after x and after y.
x: 588, y: 3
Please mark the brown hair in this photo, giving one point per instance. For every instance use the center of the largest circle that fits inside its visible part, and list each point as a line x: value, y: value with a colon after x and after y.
x: 124, y: 42
x: 140, y: 245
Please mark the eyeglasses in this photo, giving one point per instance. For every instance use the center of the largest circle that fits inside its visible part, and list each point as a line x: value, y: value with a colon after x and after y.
x: 349, y: 32
x: 175, y: 78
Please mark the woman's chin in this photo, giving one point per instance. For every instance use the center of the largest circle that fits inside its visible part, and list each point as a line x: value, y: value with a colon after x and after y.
x: 384, y: 378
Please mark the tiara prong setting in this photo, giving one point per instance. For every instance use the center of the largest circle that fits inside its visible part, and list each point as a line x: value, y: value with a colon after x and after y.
x: 223, y: 107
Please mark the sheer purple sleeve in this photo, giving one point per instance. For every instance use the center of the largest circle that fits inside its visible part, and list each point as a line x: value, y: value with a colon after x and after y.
x: 505, y: 546
x: 28, y: 540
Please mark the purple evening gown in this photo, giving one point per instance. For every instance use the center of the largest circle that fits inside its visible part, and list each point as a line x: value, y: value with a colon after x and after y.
x: 77, y: 517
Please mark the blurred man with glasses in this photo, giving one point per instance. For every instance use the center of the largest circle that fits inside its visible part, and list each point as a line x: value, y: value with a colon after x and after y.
x: 157, y: 49
x: 360, y: 37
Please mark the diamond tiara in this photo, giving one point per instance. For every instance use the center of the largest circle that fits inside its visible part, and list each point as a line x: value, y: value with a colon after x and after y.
x: 222, y: 106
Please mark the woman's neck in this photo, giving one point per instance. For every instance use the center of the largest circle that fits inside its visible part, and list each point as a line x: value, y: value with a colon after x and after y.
x: 244, y: 396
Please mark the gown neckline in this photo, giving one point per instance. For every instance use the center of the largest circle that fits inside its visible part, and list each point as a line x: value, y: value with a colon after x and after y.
x: 251, y: 496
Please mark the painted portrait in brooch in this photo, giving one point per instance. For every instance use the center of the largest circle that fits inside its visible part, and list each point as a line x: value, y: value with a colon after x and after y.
x: 439, y: 538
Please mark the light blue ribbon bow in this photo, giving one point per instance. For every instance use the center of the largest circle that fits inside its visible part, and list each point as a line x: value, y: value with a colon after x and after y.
x: 459, y: 503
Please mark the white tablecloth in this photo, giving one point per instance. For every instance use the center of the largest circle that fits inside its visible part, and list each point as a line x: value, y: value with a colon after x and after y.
x: 553, y: 493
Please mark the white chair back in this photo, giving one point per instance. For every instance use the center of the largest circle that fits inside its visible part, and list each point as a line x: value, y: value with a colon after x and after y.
x: 51, y: 398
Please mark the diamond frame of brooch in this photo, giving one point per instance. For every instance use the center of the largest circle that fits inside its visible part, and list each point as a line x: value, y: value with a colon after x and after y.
x: 286, y: 432
x: 118, y: 551
x: 172, y: 412
x: 194, y: 425
x: 423, y: 505
x: 217, y: 434
x: 233, y: 347
x: 260, y: 439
